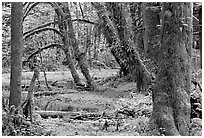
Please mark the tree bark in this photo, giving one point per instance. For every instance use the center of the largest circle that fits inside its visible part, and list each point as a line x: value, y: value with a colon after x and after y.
x: 16, y: 53
x: 119, y: 36
x: 151, y: 20
x: 29, y: 103
x: 200, y: 35
x: 66, y: 49
x: 80, y: 56
x: 171, y: 95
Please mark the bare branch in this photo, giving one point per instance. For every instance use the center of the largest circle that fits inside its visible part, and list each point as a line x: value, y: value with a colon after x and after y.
x: 29, y: 9
x: 26, y: 7
x: 43, y: 48
x: 24, y: 3
x: 43, y: 29
x: 39, y: 27
x: 196, y: 19
x: 82, y: 13
x: 35, y: 4
x: 82, y: 20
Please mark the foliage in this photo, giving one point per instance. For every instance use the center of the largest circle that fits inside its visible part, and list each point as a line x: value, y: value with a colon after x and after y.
x: 12, y: 120
x: 6, y: 23
x: 87, y: 25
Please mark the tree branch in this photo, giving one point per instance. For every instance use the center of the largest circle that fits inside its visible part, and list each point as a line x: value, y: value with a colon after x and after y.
x: 34, y: 4
x: 82, y: 13
x: 39, y: 27
x: 43, y: 48
x: 29, y: 9
x: 54, y: 22
x: 25, y: 4
x: 196, y: 19
x: 82, y: 20
x: 43, y: 29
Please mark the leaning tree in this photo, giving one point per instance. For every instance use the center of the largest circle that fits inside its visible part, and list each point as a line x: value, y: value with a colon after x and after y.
x: 66, y: 31
x: 116, y: 27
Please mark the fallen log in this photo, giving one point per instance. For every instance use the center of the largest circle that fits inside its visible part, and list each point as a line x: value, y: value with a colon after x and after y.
x: 51, y: 93
x: 55, y: 114
x: 75, y: 115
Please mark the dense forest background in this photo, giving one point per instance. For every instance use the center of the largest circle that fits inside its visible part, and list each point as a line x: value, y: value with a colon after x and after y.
x: 130, y: 68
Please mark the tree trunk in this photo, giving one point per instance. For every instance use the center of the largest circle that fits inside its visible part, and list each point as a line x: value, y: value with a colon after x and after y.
x: 80, y: 56
x: 29, y: 103
x: 16, y: 53
x: 171, y: 95
x: 69, y: 59
x: 72, y: 68
x: 124, y: 51
x: 88, y: 45
x: 88, y: 42
x: 200, y: 35
x: 151, y: 20
x: 95, y: 47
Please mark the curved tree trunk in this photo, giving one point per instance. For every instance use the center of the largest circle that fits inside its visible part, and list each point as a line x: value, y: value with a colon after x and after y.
x: 16, y: 53
x: 171, y: 95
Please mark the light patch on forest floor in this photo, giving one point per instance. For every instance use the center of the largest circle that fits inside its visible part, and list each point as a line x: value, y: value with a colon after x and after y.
x: 111, y: 100
x: 59, y: 75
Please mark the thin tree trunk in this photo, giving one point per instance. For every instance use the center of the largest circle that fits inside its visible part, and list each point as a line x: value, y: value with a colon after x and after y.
x: 95, y: 45
x: 29, y: 103
x: 171, y: 95
x: 88, y: 45
x: 42, y: 68
x: 88, y: 37
x: 16, y: 53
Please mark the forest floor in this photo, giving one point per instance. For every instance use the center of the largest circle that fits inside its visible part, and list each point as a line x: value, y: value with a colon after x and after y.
x: 117, y: 110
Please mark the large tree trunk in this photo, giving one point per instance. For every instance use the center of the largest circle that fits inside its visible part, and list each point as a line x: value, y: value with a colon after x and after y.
x: 171, y: 95
x: 151, y: 20
x: 16, y: 53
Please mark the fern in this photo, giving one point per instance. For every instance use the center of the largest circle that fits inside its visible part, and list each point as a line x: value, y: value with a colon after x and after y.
x: 12, y: 119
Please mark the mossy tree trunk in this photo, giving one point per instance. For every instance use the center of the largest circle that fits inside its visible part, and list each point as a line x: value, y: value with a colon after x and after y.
x: 171, y: 95
x: 16, y: 53
x: 151, y: 21
x: 79, y: 55
x: 28, y: 104
x: 120, y: 39
x: 69, y: 58
x: 200, y: 35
